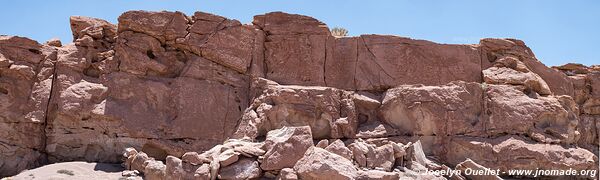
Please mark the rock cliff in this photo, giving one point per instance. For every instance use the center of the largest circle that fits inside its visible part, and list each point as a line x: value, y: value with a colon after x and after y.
x: 206, y: 97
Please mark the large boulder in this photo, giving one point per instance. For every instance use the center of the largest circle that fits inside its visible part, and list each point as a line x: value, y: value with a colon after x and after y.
x: 285, y: 146
x: 328, y: 111
x: 450, y: 109
x: 515, y: 152
x: 545, y: 119
x: 494, y: 49
x: 470, y: 165
x: 164, y: 26
x: 503, y: 75
x: 318, y: 164
x: 245, y: 168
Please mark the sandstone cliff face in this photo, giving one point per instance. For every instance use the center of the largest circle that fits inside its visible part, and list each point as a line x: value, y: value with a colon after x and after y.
x: 207, y: 97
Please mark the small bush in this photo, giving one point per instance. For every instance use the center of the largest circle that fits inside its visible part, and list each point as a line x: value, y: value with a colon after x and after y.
x: 67, y: 172
x: 339, y: 32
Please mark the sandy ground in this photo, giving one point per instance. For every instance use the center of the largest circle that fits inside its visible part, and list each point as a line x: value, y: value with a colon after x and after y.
x: 73, y: 170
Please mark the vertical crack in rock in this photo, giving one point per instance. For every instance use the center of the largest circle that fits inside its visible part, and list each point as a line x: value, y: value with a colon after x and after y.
x: 48, y: 109
x: 325, y: 60
x: 375, y: 60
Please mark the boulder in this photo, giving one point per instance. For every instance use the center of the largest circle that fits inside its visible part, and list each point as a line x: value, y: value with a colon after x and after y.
x: 155, y: 170
x: 285, y: 146
x: 318, y: 164
x: 515, y: 152
x: 287, y: 174
x: 338, y: 147
x: 323, y: 143
x: 91, y: 32
x: 494, y: 49
x: 245, y: 168
x: 545, y: 119
x: 450, y: 109
x: 174, y: 169
x: 194, y: 158
x: 328, y: 111
x: 228, y: 157
x: 280, y: 23
x: 54, y: 42
x: 470, y: 164
x: 377, y: 175
x: 503, y: 75
x: 203, y: 172
x: 360, y: 149
x: 381, y: 157
x: 164, y: 26
x: 573, y: 68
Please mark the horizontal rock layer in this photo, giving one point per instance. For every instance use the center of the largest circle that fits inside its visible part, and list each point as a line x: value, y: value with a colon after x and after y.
x: 288, y: 99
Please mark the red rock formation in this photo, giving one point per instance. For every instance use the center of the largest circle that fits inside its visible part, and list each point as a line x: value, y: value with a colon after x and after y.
x: 206, y: 97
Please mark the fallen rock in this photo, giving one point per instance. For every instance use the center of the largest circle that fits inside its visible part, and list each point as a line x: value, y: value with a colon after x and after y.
x: 203, y: 172
x: 469, y: 164
x: 285, y: 146
x: 377, y: 175
x: 155, y: 170
x: 338, y: 147
x: 318, y: 163
x: 360, y: 149
x: 381, y: 157
x: 228, y: 157
x: 194, y: 158
x: 174, y: 169
x: 287, y: 174
x: 514, y: 152
x: 245, y: 168
x: 323, y: 143
x: 328, y: 111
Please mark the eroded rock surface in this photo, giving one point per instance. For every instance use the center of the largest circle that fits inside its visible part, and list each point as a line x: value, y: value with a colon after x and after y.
x: 173, y: 96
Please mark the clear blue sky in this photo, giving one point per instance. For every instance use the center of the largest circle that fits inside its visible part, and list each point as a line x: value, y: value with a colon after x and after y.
x: 557, y: 31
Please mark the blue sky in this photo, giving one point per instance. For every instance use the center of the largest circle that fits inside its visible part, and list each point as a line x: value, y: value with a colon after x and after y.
x: 557, y: 31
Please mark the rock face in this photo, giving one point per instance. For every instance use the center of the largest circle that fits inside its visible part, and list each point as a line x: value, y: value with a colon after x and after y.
x: 26, y: 78
x: 206, y: 97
